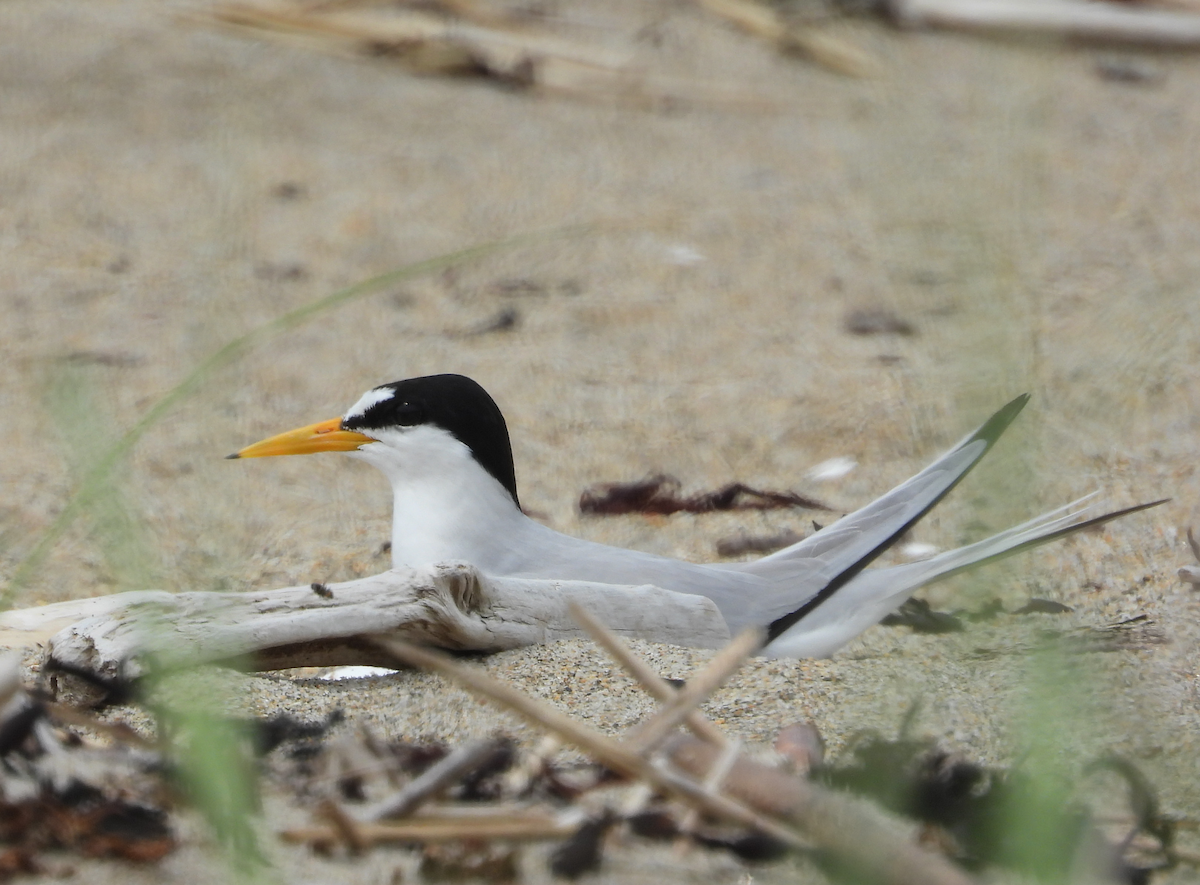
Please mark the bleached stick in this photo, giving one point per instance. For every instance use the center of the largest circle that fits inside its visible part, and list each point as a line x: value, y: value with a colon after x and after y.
x: 1109, y: 22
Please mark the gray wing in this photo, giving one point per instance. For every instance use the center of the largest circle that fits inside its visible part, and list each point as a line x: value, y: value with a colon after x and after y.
x: 806, y: 574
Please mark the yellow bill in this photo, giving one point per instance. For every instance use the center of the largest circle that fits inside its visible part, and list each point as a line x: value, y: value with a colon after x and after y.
x: 324, y: 436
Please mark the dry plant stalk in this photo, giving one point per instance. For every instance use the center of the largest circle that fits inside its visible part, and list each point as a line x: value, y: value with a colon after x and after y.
x: 427, y: 44
x: 822, y: 48
x: 347, y: 828
x: 818, y: 813
x: 467, y: 10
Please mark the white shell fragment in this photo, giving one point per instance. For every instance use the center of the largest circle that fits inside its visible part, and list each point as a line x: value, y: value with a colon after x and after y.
x: 834, y: 468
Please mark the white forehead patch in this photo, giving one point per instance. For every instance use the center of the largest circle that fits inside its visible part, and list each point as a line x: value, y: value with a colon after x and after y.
x: 370, y: 398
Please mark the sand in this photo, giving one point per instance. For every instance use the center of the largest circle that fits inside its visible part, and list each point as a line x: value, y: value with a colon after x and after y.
x: 166, y: 187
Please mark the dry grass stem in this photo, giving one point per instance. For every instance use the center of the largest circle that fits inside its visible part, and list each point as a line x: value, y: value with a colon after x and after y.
x: 713, y: 780
x: 851, y: 829
x: 479, y: 45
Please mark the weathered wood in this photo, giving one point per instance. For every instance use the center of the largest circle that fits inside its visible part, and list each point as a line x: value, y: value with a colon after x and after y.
x: 450, y: 605
x: 1099, y: 21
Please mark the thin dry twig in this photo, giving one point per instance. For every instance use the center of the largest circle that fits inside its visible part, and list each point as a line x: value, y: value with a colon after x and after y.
x: 433, y: 780
x: 643, y: 673
x: 523, y: 825
x: 724, y: 664
x: 713, y: 780
x: 852, y: 830
x: 347, y: 828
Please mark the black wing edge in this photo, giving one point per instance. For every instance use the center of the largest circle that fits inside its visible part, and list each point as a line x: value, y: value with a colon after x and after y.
x: 991, y: 431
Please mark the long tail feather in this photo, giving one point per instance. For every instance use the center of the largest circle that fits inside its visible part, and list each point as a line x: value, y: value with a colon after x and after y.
x: 1020, y: 538
x: 875, y: 592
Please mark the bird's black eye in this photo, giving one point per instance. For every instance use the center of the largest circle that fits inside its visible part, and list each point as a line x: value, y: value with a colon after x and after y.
x: 408, y: 414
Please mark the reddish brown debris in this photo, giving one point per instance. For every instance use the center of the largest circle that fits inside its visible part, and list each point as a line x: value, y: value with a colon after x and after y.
x: 105, y: 828
x: 15, y: 861
x: 659, y: 494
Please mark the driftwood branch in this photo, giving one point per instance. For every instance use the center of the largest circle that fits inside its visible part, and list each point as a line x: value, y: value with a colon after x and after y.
x: 1097, y: 21
x: 848, y: 828
x: 450, y: 605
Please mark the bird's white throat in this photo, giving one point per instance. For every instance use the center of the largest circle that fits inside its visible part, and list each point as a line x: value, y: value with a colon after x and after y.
x: 446, y: 506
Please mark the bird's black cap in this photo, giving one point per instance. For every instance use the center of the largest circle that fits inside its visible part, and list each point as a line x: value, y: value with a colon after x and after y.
x: 457, y: 405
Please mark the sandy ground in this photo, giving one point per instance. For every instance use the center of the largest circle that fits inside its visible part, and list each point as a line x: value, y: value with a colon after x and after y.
x: 166, y: 187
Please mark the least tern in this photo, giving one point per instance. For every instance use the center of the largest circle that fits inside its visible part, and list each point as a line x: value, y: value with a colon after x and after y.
x: 443, y: 444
